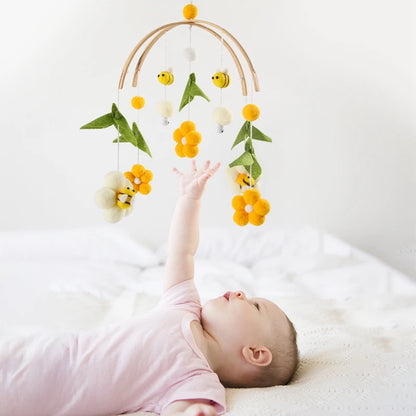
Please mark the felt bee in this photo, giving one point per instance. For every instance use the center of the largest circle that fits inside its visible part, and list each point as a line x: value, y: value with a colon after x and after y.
x: 245, y: 180
x: 125, y: 197
x: 166, y: 78
x: 221, y: 79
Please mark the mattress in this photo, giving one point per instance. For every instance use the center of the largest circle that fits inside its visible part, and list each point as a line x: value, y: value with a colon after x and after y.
x: 355, y: 316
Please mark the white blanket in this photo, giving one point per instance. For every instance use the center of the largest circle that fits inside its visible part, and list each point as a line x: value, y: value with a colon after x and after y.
x: 354, y: 315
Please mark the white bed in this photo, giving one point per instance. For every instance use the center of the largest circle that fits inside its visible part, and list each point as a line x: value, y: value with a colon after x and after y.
x: 354, y: 315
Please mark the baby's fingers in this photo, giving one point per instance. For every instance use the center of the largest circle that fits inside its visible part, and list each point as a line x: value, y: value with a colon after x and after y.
x: 201, y: 410
x: 215, y: 168
x: 205, y: 176
x: 177, y: 172
x: 206, y: 165
x: 194, y: 168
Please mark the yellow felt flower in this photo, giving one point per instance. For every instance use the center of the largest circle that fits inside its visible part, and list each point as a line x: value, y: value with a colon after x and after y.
x: 187, y: 139
x: 140, y: 178
x: 250, y: 207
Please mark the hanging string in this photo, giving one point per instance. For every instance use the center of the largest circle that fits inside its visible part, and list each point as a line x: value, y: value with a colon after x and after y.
x: 190, y: 69
x: 251, y: 93
x: 251, y: 133
x: 221, y: 61
x: 221, y: 51
x: 251, y: 166
x: 138, y: 123
x: 166, y: 62
x: 118, y: 133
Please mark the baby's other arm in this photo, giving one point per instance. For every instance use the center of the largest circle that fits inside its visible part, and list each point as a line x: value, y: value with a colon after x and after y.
x: 189, y: 408
x: 184, y: 229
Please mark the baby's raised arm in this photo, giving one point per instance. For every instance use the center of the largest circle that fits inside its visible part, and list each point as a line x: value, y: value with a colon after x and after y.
x: 184, y: 229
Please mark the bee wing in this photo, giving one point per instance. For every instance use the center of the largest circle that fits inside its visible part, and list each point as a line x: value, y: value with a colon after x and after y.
x: 122, y: 198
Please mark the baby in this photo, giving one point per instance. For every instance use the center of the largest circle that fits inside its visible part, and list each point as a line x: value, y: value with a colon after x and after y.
x: 175, y: 360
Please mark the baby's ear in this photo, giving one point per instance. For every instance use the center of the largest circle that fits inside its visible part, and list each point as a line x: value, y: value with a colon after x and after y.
x: 259, y: 355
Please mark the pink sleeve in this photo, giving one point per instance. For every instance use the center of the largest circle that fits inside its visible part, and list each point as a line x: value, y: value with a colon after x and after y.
x: 183, y: 295
x: 204, y: 386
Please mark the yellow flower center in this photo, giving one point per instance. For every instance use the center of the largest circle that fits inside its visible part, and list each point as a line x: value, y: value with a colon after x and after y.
x: 137, y: 181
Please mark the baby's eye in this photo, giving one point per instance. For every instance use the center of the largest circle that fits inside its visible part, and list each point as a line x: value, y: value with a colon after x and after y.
x: 257, y: 305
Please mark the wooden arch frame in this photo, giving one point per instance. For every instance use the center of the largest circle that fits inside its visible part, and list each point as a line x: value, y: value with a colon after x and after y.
x: 160, y: 31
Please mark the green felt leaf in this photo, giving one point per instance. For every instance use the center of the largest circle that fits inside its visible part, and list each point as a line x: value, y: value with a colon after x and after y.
x: 122, y: 139
x: 248, y: 146
x: 140, y: 142
x: 258, y: 135
x: 122, y: 125
x: 100, y: 122
x: 137, y: 140
x: 254, y: 169
x: 242, y: 134
x: 191, y: 90
x: 246, y: 159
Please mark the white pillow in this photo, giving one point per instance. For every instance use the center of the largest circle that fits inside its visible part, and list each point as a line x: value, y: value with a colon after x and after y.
x: 248, y: 245
x: 102, y: 244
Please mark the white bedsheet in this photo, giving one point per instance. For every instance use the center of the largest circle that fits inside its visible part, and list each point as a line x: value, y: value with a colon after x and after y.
x: 355, y: 316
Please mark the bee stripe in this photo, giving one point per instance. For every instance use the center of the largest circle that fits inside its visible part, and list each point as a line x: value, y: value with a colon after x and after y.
x: 226, y: 80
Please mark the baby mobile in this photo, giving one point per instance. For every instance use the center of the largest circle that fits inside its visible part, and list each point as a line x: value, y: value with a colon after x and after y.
x: 117, y: 196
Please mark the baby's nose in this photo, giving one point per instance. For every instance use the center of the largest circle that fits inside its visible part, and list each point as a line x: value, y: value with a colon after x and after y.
x: 240, y: 294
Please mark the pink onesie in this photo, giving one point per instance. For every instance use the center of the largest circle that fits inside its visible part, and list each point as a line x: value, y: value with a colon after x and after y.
x: 144, y: 364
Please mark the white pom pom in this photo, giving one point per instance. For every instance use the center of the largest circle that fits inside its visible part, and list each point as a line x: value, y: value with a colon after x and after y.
x: 128, y: 211
x: 105, y: 198
x: 115, y: 180
x: 222, y: 116
x: 190, y: 54
x: 114, y: 214
x: 165, y: 109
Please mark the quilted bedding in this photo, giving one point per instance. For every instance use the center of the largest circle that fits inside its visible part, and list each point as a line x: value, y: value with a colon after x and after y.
x: 355, y: 316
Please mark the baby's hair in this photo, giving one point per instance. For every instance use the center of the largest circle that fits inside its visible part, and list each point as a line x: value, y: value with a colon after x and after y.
x: 284, y: 363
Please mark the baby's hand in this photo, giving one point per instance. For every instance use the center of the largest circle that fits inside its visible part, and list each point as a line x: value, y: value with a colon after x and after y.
x: 200, y: 409
x: 193, y: 183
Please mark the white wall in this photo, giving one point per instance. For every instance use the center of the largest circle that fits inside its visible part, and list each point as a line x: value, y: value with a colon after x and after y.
x: 338, y: 98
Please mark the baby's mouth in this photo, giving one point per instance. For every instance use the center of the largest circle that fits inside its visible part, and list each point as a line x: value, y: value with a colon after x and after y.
x: 227, y: 295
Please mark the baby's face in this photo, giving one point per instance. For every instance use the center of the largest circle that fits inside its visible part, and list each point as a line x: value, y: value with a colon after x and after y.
x: 236, y: 320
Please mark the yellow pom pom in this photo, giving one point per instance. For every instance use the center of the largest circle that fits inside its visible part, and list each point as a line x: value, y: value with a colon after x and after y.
x: 255, y: 218
x: 179, y: 150
x: 193, y: 137
x: 147, y: 176
x: 251, y: 196
x: 262, y: 207
x: 186, y: 127
x: 138, y: 170
x: 190, y: 11
x: 251, y: 112
x: 190, y: 150
x: 137, y: 102
x: 240, y: 218
x: 129, y: 176
x: 238, y: 202
x: 177, y: 135
x: 145, y: 188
